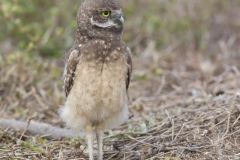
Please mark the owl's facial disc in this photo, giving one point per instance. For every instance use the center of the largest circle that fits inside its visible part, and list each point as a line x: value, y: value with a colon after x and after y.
x: 109, y: 19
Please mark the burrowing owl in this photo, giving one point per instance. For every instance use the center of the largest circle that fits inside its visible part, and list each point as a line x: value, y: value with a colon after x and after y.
x: 97, y: 72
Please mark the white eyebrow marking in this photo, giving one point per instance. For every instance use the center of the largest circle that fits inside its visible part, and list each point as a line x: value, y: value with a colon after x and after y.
x: 107, y: 24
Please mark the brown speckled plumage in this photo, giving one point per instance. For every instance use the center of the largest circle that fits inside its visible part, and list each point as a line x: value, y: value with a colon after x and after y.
x: 97, y: 72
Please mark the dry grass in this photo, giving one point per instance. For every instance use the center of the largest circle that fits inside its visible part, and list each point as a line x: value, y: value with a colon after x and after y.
x: 179, y: 110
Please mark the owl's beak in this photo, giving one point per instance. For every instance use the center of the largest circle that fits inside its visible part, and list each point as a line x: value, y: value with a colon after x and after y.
x: 121, y: 19
x: 118, y: 19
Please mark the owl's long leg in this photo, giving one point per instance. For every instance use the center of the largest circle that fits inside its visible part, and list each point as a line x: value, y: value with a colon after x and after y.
x: 89, y: 138
x: 100, y: 144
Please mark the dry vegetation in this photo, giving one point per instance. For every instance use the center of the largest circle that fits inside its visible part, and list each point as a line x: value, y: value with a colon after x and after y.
x: 184, y: 95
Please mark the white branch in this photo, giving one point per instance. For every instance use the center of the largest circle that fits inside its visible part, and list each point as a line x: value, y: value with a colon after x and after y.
x: 37, y: 128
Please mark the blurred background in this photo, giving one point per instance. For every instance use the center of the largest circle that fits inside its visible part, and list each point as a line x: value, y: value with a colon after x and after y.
x: 181, y: 49
x: 45, y: 28
x: 34, y: 35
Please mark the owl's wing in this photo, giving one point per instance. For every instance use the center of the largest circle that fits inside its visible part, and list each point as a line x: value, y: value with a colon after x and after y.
x: 129, y: 67
x: 73, y: 58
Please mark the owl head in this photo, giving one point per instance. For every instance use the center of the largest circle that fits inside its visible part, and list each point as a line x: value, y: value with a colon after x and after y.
x: 101, y: 19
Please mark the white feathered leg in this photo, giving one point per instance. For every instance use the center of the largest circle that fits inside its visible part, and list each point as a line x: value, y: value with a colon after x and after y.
x: 100, y: 135
x: 89, y: 138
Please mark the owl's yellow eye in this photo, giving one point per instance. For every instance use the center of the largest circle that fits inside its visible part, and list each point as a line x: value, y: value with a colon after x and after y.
x: 106, y: 13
